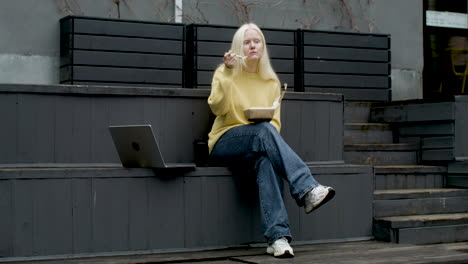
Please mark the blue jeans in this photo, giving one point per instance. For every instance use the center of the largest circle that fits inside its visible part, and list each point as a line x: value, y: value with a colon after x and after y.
x: 273, y: 160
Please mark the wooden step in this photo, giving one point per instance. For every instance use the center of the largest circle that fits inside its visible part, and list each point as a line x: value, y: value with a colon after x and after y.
x: 381, y: 154
x: 367, y: 133
x: 422, y: 229
x: 409, y: 177
x: 357, y: 111
x: 420, y: 202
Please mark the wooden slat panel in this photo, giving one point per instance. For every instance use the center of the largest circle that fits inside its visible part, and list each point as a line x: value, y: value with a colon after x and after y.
x: 113, y: 84
x: 89, y: 42
x: 138, y: 212
x: 73, y: 133
x: 335, y: 130
x: 209, y: 63
x: 342, y: 81
x: 110, y: 215
x: 205, y: 32
x: 437, y: 142
x: 346, y: 39
x: 437, y: 154
x: 53, y: 229
x: 211, y: 48
x: 283, y: 66
x: 366, y: 68
x: 123, y: 75
x: 23, y: 214
x: 281, y: 37
x: 128, y: 60
x: 9, y: 133
x: 82, y: 200
x: 7, y: 220
x: 430, y: 112
x: 291, y: 128
x: 355, y: 94
x: 281, y: 52
x: 167, y: 210
x: 351, y: 54
x: 128, y: 28
x: 427, y: 129
x: 35, y: 126
x: 461, y: 127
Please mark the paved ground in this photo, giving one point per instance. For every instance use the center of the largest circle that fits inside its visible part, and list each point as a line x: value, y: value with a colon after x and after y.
x: 336, y: 253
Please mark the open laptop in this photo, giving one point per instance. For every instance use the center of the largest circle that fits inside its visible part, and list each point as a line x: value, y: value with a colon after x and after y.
x: 138, y: 147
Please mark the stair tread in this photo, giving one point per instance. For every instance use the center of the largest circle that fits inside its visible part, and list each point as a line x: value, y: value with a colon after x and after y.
x: 409, y: 221
x: 370, y: 125
x: 419, y: 193
x: 382, y: 146
x: 381, y: 169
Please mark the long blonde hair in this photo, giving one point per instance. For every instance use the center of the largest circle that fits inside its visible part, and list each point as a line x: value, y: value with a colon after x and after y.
x: 265, y: 70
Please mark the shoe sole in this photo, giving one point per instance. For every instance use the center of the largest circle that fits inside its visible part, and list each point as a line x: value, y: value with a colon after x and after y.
x: 286, y: 254
x: 328, y: 197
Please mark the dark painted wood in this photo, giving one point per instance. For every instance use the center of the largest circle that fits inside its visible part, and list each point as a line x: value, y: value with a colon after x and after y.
x: 94, y: 210
x: 344, y: 81
x: 353, y: 94
x: 346, y: 67
x: 7, y: 219
x: 123, y: 44
x: 324, y: 38
x: 9, y: 113
x: 461, y: 127
x: 66, y: 124
x: 122, y: 27
x: 347, y: 54
x: 121, y: 59
x: 122, y: 75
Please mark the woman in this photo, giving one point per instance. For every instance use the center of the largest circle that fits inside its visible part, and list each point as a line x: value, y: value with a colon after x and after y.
x: 246, y: 79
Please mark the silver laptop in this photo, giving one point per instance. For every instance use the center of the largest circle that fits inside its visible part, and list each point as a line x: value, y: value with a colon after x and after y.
x: 138, y: 147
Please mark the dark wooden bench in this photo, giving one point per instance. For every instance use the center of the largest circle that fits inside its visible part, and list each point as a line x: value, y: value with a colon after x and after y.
x: 121, y: 52
x: 63, y: 190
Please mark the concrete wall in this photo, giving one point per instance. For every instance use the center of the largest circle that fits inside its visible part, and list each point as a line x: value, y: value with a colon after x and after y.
x: 29, y: 43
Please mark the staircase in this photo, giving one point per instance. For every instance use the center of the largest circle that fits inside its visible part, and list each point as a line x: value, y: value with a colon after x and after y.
x: 411, y: 203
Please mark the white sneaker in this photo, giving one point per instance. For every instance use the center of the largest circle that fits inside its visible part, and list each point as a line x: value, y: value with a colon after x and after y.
x: 280, y: 248
x: 317, y: 197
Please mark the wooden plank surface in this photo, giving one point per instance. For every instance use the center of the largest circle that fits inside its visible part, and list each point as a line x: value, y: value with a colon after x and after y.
x: 341, y: 67
x: 123, y: 44
x: 345, y: 81
x: 119, y: 27
x: 320, y: 38
x: 346, y: 54
x: 122, y: 59
x: 122, y: 75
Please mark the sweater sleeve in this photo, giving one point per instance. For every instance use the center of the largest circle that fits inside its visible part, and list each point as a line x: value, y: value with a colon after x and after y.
x: 276, y: 121
x: 220, y: 91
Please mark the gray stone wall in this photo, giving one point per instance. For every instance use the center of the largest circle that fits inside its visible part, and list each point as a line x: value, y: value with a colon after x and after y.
x: 29, y: 43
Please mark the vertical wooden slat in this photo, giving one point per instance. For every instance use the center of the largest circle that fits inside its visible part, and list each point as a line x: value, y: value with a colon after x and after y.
x: 102, y: 147
x: 73, y: 130
x: 335, y: 130
x: 193, y: 218
x: 167, y: 212
x: 461, y: 126
x: 138, y: 214
x: 82, y: 201
x: 291, y: 113
x: 110, y: 214
x: 6, y: 219
x: 8, y: 133
x: 53, y: 217
x: 23, y: 197
x: 35, y: 128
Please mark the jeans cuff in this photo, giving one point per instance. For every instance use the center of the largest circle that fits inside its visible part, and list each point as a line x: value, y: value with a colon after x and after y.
x: 301, y: 196
x: 287, y: 236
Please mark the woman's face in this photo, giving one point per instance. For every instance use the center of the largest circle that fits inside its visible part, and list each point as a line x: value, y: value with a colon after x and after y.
x: 253, y: 46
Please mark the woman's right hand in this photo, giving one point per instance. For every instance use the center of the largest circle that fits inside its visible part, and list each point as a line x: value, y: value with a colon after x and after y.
x: 229, y: 59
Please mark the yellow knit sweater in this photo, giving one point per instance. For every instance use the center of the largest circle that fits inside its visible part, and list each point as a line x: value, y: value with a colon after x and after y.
x: 230, y: 96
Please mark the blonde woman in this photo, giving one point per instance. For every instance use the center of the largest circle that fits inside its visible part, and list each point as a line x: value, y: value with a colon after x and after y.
x: 246, y: 79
